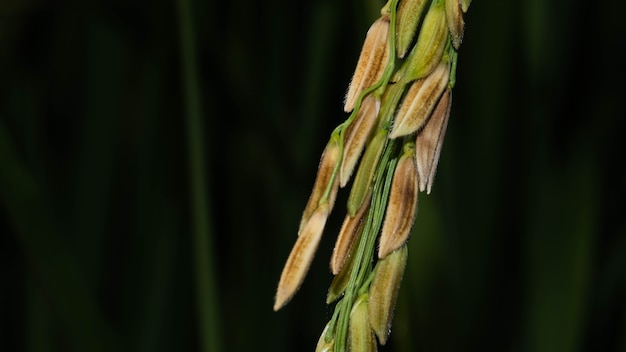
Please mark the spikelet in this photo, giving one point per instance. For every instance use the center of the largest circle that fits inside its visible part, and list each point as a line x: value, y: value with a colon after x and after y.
x: 372, y: 61
x: 360, y: 333
x: 401, y: 207
x: 357, y: 135
x: 329, y: 160
x: 420, y: 101
x: 363, y: 180
x: 340, y: 281
x: 431, y: 41
x: 349, y: 231
x: 300, y: 257
x: 429, y: 141
x: 409, y: 14
x: 454, y: 18
x: 384, y: 292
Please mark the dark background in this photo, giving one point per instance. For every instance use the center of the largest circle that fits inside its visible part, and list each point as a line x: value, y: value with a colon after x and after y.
x: 120, y: 120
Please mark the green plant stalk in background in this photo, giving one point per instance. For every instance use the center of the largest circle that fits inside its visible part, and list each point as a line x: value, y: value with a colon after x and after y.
x: 202, y: 226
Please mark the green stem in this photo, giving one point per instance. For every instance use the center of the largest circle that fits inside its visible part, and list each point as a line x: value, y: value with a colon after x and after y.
x: 206, y: 293
x: 360, y: 275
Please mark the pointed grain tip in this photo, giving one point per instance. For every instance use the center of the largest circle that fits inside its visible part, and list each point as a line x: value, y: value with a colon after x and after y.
x: 278, y: 304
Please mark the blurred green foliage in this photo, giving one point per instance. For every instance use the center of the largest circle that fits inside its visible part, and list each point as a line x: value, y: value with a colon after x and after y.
x: 520, y: 247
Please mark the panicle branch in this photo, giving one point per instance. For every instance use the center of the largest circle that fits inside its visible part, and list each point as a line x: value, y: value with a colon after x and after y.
x: 399, y: 101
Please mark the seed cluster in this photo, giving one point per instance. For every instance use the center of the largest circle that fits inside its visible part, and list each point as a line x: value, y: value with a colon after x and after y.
x: 399, y: 102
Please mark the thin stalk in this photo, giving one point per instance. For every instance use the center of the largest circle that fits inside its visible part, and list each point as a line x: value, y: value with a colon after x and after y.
x: 206, y: 293
x: 360, y: 275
